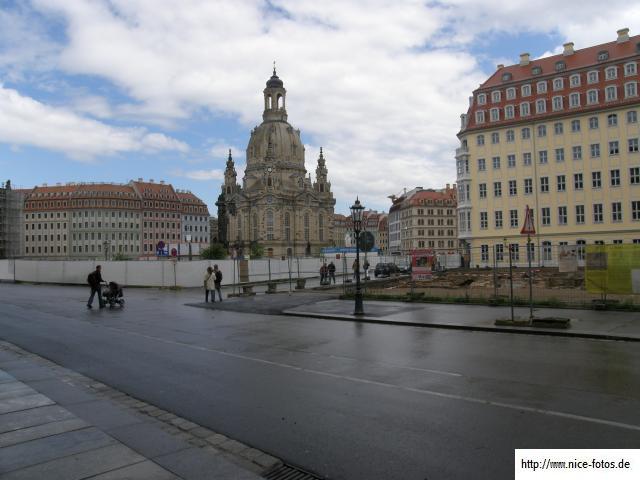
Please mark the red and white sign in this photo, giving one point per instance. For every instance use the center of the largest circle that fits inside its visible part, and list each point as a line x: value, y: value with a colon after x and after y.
x: 528, y: 228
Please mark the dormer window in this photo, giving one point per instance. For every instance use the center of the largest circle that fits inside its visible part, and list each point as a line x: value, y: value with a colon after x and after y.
x: 603, y: 55
x: 506, y: 77
x: 560, y: 66
x: 536, y: 71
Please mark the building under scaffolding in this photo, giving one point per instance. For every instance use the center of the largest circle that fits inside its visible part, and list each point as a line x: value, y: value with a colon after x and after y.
x: 11, y: 220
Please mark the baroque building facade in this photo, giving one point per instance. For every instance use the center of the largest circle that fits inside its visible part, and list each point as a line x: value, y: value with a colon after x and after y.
x: 558, y: 134
x: 277, y: 206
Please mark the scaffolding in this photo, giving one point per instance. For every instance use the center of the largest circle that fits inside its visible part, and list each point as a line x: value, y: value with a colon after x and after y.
x: 11, y: 221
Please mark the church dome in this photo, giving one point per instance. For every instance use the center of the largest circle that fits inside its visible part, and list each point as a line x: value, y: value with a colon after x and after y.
x: 274, y: 81
x: 275, y: 142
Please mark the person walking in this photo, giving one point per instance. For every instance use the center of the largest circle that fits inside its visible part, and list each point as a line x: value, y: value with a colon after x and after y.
x: 209, y: 285
x: 365, y: 266
x: 217, y: 283
x: 323, y: 274
x: 356, y: 269
x: 94, y: 279
x: 332, y: 272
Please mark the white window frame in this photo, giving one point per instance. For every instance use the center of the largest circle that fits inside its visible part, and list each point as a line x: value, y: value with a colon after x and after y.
x: 525, y: 90
x: 558, y: 84
x: 511, y: 93
x: 525, y: 109
x: 480, y: 116
x: 630, y: 92
x: 574, y: 103
x: 574, y: 80
x: 495, y: 114
x: 608, y: 97
x: 589, y: 95
x: 556, y: 103
x: 482, y: 99
x: 509, y: 111
x: 541, y: 106
x: 541, y: 86
x: 593, y: 76
x: 611, y: 73
x: 630, y: 68
x: 496, y: 96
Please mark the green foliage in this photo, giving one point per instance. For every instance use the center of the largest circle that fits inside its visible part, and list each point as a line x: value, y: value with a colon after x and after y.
x: 119, y: 257
x: 215, y: 251
x: 257, y: 250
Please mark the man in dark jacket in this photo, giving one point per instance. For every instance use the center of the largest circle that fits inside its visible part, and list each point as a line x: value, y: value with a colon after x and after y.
x: 217, y: 283
x: 95, y: 280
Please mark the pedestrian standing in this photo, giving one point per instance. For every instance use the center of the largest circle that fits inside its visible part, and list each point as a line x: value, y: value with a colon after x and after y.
x: 365, y: 266
x: 356, y: 269
x: 217, y: 283
x: 332, y: 272
x: 94, y: 279
x: 323, y: 274
x: 209, y: 285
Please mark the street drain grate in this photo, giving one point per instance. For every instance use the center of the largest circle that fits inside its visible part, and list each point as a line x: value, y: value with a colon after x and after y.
x: 287, y: 472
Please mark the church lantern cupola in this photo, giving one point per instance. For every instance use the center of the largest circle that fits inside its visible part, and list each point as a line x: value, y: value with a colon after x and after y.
x: 274, y: 99
x: 322, y: 184
x: 230, y: 176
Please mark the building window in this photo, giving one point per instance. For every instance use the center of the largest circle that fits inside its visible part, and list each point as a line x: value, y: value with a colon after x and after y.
x: 511, y: 160
x: 635, y: 210
x: 558, y: 128
x: 574, y: 100
x: 630, y: 69
x: 562, y: 184
x: 510, y: 136
x: 633, y: 145
x: 579, y: 214
x: 480, y: 116
x: 511, y: 93
x: 484, y: 222
x: 597, y: 213
x: 611, y: 73
x: 525, y: 133
x: 496, y: 163
x: 541, y: 106
x: 614, y: 148
x: 611, y: 93
x: 480, y: 140
x: 513, y: 218
x: 495, y: 96
x: 499, y: 252
x: 630, y: 89
x: 612, y: 120
x: 513, y: 188
x: 592, y: 97
x: 482, y: 98
x: 557, y: 103
x: 528, y: 186
x: 306, y: 227
x: 615, y: 178
x: 498, y: 218
x: 577, y: 152
x: 497, y: 189
x: 558, y: 83
x: 616, y: 212
x: 575, y: 125
x: 526, y: 159
x: 547, y: 255
x: 515, y: 251
x: 574, y: 80
x: 321, y: 228
x: 595, y: 150
x: 632, y: 116
x: 577, y: 181
x: 596, y: 180
x: 592, y: 76
x: 482, y: 190
x: 509, y: 111
x: 481, y: 165
x: 542, y: 156
x: 542, y: 130
x: 495, y: 138
x: 525, y: 111
x: 525, y: 90
x: 544, y: 184
x: 593, y: 123
x: 559, y: 154
x: 634, y: 175
x: 541, y: 87
x: 495, y: 114
x: 562, y: 215
x: 484, y: 251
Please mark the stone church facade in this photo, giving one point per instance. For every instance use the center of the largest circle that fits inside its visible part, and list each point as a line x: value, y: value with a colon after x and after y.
x: 278, y: 206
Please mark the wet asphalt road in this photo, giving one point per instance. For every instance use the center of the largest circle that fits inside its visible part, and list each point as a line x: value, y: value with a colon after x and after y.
x: 345, y: 400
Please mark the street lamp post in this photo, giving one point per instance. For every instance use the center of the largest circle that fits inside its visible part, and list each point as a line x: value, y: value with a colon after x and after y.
x: 356, y: 216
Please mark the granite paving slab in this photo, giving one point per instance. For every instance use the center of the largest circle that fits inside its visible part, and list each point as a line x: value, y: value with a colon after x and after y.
x: 33, y: 417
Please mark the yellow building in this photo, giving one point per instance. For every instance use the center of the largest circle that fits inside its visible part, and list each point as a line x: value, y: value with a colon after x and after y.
x: 559, y: 134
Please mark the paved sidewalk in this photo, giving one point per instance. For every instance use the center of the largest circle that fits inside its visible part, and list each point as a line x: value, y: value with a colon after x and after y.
x: 584, y: 323
x: 53, y: 427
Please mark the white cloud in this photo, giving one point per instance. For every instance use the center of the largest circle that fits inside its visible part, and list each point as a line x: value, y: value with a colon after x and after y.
x: 213, y: 174
x: 380, y: 84
x: 25, y: 121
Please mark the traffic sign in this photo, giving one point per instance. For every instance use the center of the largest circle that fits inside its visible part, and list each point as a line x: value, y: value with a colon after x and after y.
x: 366, y: 241
x: 528, y: 228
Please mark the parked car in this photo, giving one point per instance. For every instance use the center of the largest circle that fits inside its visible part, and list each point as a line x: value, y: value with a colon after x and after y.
x: 405, y: 268
x: 385, y: 270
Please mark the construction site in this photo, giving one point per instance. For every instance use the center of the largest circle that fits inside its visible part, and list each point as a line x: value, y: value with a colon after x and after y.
x: 11, y: 220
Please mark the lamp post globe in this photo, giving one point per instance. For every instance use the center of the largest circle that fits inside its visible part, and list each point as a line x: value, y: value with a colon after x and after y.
x: 356, y: 217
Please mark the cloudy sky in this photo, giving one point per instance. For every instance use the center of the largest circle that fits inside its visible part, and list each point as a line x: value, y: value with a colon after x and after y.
x: 112, y: 90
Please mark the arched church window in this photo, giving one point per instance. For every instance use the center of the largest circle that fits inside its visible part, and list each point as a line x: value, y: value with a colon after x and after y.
x: 268, y: 102
x: 321, y: 228
x: 269, y: 182
x: 229, y: 190
x: 255, y: 227
x: 287, y: 226
x: 239, y: 235
x: 322, y: 187
x: 306, y: 227
x: 269, y: 224
x: 279, y: 102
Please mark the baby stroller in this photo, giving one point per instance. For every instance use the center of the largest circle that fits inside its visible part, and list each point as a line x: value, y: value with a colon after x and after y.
x: 113, y: 295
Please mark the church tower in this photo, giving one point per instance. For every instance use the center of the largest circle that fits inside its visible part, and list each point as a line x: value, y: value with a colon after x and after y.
x: 278, y: 206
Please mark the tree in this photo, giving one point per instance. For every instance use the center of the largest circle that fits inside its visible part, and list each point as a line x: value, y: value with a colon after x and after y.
x: 119, y: 257
x: 257, y: 250
x: 215, y: 251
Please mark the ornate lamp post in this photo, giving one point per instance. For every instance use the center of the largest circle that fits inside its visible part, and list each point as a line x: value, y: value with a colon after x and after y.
x: 356, y: 216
